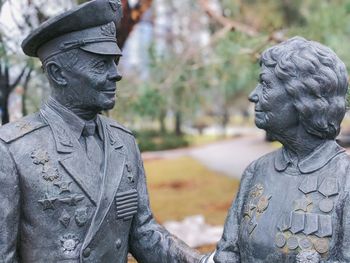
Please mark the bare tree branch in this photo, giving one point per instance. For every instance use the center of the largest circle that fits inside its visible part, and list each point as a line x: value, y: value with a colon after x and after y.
x: 18, y: 79
x: 227, y: 22
x: 14, y: 18
x: 25, y: 90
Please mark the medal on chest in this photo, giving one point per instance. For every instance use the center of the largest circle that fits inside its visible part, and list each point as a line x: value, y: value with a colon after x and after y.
x: 307, y: 229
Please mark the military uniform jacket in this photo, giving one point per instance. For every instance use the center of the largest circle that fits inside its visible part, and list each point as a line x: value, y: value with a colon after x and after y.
x: 291, y: 213
x: 54, y: 210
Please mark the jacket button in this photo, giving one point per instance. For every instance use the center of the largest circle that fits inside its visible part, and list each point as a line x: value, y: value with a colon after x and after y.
x: 86, y: 252
x: 118, y: 243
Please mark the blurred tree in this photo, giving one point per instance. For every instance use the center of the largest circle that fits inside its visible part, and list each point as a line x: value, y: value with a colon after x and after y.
x: 151, y: 105
x: 9, y: 58
x: 234, y: 73
x: 198, y: 79
x: 6, y: 88
x: 183, y: 50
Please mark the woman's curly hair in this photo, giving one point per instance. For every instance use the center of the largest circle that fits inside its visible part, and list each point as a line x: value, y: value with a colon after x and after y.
x: 317, y: 81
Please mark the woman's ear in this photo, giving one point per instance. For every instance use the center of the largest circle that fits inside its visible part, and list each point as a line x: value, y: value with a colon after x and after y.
x: 55, y: 73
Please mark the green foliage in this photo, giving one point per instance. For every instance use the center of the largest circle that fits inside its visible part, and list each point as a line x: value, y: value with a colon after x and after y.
x: 236, y: 70
x: 150, y: 140
x: 150, y: 103
x: 329, y: 23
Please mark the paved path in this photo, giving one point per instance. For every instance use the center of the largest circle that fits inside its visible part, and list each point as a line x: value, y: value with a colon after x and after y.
x: 230, y: 157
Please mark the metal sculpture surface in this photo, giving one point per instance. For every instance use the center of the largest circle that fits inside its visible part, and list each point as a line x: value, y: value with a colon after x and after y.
x: 293, y: 203
x: 72, y: 182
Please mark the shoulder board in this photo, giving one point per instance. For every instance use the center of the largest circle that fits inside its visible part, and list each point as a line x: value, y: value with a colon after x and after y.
x: 115, y: 124
x: 15, y: 130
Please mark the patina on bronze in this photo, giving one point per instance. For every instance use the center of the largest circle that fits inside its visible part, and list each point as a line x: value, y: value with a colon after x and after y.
x: 299, y: 101
x: 73, y: 187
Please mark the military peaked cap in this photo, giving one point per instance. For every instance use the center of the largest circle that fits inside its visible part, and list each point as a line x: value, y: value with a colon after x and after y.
x: 90, y: 27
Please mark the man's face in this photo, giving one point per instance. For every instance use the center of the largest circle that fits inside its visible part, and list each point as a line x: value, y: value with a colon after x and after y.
x: 92, y: 81
x: 274, y: 109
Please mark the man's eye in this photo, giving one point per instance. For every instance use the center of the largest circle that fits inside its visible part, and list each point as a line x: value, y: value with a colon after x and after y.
x: 116, y: 60
x: 100, y: 66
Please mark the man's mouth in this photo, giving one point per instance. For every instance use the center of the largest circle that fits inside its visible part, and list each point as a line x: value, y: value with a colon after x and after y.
x: 109, y: 91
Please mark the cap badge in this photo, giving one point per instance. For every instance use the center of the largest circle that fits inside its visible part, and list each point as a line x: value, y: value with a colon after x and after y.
x: 108, y: 30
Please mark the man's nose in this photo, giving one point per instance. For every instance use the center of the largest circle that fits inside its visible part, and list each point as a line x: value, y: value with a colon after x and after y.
x: 114, y: 74
x: 253, y: 96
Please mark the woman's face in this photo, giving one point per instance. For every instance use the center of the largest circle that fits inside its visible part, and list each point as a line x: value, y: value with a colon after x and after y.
x: 274, y: 109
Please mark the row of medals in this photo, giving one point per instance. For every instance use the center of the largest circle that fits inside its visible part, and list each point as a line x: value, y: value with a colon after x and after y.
x: 309, y: 243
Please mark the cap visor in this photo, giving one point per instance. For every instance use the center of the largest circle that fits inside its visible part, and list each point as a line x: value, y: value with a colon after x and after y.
x: 103, y: 48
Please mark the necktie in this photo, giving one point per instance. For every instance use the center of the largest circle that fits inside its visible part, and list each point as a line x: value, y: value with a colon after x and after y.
x: 93, y: 150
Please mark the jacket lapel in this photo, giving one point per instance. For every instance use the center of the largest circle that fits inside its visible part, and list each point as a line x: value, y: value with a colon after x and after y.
x: 113, y: 171
x: 78, y: 170
x: 71, y: 154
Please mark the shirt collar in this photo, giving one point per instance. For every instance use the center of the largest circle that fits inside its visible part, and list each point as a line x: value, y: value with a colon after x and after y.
x: 314, y: 161
x: 75, y: 123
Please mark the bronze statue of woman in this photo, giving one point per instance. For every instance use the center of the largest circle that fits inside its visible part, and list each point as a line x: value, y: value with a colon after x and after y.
x: 293, y: 203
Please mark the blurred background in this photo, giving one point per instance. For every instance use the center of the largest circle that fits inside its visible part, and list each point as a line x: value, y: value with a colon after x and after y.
x: 188, y: 67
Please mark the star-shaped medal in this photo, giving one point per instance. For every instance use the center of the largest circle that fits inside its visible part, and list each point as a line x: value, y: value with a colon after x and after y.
x: 23, y: 126
x: 248, y: 209
x: 302, y: 204
x: 64, y: 186
x: 72, y: 200
x: 40, y: 156
x: 47, y: 202
x: 263, y: 203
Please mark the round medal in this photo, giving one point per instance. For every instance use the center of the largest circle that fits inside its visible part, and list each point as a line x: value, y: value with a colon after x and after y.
x: 292, y: 243
x: 322, y: 245
x: 280, y: 240
x: 326, y: 205
x: 305, y: 243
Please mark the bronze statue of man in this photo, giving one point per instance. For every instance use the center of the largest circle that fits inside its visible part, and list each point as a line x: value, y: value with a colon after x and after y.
x: 73, y: 187
x: 293, y: 205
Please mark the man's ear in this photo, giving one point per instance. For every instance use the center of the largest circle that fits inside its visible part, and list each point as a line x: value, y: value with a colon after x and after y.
x: 55, y: 73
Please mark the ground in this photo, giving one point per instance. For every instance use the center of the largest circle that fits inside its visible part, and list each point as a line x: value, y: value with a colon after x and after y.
x: 229, y: 156
x: 183, y: 187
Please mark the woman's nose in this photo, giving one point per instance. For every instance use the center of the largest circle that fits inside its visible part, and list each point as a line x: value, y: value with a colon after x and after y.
x: 253, y: 96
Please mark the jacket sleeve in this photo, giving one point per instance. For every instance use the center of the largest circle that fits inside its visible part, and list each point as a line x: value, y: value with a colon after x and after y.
x: 227, y: 250
x: 344, y: 240
x: 9, y: 206
x: 150, y: 242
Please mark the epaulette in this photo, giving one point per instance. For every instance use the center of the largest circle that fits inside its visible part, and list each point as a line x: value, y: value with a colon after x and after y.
x: 115, y: 124
x: 15, y: 130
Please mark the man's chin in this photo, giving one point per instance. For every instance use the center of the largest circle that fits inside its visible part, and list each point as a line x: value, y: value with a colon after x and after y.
x: 108, y: 105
